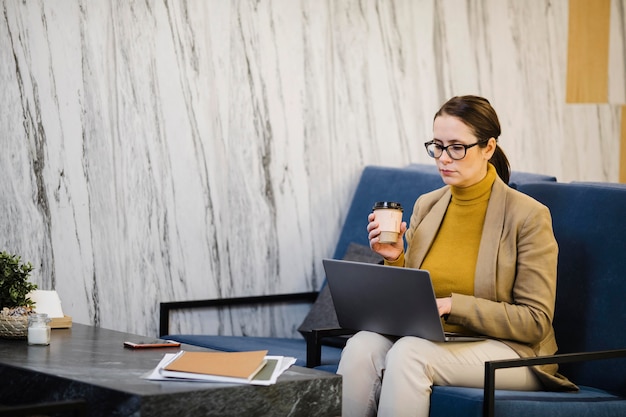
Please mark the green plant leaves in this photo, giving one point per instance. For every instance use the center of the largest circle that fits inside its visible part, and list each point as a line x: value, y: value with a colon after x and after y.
x: 14, y: 285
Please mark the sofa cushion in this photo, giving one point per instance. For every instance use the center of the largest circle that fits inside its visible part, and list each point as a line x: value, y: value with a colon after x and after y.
x: 322, y: 313
x: 468, y: 402
x: 518, y: 178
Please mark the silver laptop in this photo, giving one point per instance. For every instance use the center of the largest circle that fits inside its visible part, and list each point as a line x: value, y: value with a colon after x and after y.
x: 388, y: 300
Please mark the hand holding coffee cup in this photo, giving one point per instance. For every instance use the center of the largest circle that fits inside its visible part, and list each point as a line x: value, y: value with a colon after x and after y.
x: 389, y: 219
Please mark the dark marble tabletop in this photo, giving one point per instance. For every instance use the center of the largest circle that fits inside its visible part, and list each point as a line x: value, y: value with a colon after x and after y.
x: 92, y: 363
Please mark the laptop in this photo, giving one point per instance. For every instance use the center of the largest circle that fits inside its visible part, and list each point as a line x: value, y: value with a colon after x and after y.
x: 387, y: 300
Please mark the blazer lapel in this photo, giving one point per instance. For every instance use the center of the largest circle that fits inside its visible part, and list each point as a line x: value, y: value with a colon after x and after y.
x: 485, y: 278
x: 428, y: 228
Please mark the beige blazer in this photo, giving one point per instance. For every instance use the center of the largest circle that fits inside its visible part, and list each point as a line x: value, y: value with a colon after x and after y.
x: 515, y: 280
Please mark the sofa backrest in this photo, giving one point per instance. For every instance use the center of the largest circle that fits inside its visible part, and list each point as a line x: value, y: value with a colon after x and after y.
x: 590, y: 227
x: 517, y: 177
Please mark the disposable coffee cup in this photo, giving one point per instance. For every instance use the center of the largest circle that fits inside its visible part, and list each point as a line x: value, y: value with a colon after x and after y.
x: 389, y: 218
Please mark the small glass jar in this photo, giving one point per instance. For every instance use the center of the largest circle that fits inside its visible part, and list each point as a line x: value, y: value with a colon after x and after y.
x: 38, y: 329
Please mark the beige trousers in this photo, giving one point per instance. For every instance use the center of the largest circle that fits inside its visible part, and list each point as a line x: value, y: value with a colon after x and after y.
x: 411, y: 366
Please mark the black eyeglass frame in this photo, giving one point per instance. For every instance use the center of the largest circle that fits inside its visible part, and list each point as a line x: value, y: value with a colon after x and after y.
x: 445, y: 148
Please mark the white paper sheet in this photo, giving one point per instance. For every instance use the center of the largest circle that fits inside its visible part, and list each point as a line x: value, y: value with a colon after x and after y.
x: 47, y: 302
x: 284, y: 362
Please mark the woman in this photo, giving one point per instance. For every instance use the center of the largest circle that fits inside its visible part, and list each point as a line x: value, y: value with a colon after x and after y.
x: 492, y: 257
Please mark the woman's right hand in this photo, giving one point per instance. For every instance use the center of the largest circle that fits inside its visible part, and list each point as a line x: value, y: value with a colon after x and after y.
x: 389, y: 251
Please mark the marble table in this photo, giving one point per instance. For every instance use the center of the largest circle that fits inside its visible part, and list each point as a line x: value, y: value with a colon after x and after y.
x: 91, y: 363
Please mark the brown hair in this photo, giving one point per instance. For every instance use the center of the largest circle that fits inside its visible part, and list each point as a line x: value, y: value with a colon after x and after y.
x: 477, y: 113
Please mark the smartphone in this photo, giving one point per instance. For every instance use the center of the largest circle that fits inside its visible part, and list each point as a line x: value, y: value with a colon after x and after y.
x: 151, y: 344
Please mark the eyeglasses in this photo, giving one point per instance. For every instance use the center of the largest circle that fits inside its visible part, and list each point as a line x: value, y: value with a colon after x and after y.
x: 455, y: 151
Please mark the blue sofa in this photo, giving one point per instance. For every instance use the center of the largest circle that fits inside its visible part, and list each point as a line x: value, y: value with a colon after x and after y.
x: 589, y: 225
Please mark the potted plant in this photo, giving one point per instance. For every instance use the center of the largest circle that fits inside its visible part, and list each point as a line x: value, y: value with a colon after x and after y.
x: 15, y: 306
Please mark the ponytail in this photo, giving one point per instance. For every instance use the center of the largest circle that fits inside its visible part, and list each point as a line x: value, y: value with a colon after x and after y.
x: 501, y: 163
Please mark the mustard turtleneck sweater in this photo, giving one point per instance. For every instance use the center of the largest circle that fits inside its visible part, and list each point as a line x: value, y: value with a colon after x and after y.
x: 452, y: 257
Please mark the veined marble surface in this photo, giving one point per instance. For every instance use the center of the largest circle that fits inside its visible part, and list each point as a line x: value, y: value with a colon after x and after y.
x: 168, y: 150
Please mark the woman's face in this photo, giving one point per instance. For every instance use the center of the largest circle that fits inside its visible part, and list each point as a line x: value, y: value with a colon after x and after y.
x: 473, y: 167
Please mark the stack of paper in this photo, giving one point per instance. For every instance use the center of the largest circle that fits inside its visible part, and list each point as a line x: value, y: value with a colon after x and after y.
x: 255, y: 368
x: 48, y: 302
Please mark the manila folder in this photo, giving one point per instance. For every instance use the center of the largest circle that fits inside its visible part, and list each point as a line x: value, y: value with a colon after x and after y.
x: 232, y: 364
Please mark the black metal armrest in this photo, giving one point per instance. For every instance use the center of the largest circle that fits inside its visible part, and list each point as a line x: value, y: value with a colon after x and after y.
x: 166, y: 307
x: 492, y: 366
x: 314, y: 343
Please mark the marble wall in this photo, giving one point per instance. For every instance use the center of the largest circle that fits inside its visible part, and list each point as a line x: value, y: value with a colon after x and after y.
x: 167, y: 150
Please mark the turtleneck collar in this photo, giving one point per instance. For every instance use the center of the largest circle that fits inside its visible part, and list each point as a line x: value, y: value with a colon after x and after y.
x: 477, y: 192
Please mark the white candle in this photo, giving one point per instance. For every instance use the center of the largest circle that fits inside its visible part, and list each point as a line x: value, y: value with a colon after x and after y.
x: 39, y: 335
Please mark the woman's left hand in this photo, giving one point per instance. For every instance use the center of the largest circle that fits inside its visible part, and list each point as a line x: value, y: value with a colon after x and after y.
x: 444, y: 305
